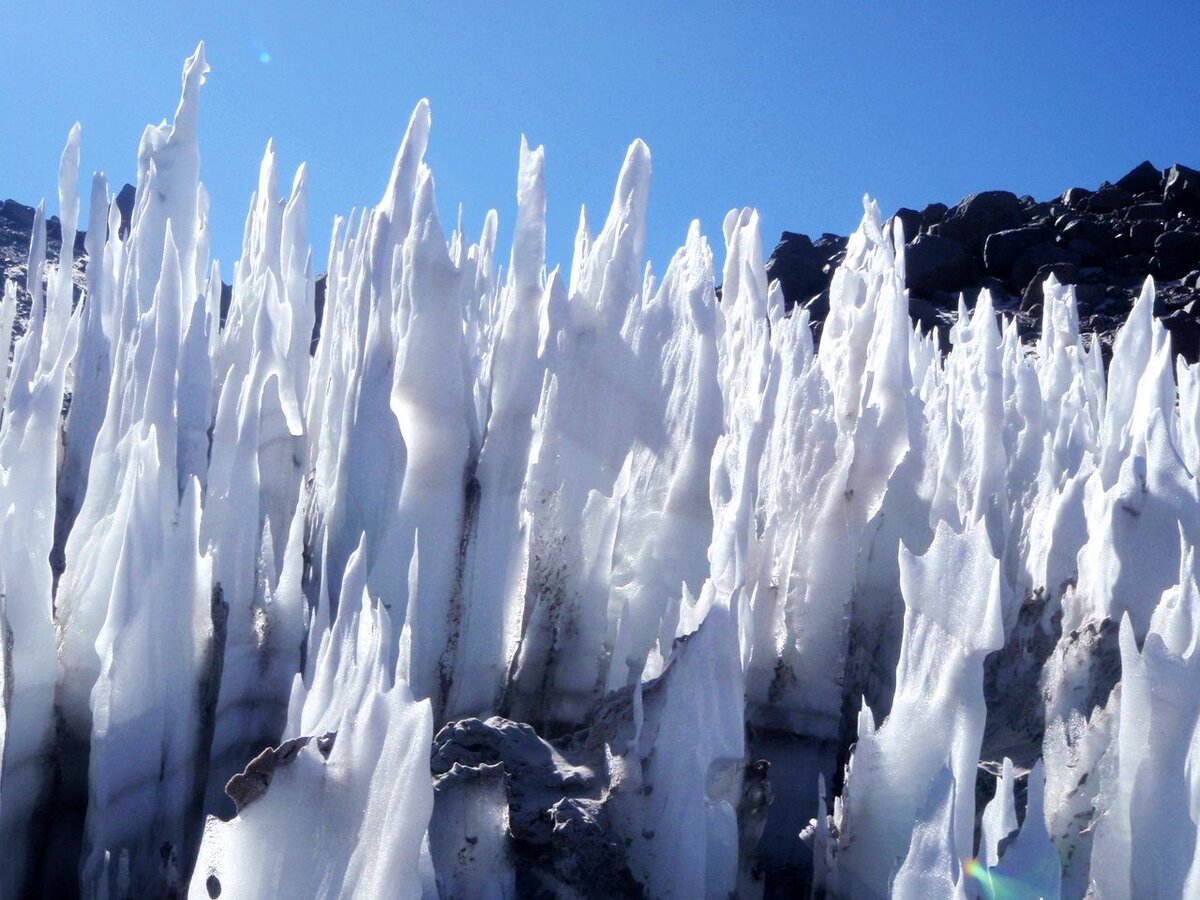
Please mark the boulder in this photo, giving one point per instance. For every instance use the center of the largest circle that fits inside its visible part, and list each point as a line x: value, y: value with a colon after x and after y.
x: 1181, y: 193
x: 1033, y: 259
x: 124, y: 202
x: 936, y: 263
x: 1185, y: 334
x: 1176, y: 253
x: 1003, y: 248
x: 796, y: 264
x: 1143, y: 233
x: 979, y: 215
x: 929, y: 318
x: 1141, y: 211
x: 1038, y: 212
x: 1066, y: 273
x: 1061, y: 222
x: 1142, y: 178
x: 832, y: 248
x: 1089, y: 298
x: 830, y: 244
x: 1132, y: 268
x: 1109, y: 199
x: 1091, y: 239
x: 1076, y: 197
x: 818, y: 307
x: 19, y: 215
x: 933, y: 214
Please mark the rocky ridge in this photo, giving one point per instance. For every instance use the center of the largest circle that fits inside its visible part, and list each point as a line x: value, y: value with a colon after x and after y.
x: 1103, y: 241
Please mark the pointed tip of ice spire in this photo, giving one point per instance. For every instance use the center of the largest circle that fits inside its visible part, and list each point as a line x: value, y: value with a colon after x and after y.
x: 419, y: 124
x: 68, y: 176
x: 634, y: 178
x: 196, y: 63
x: 983, y: 309
x: 407, y: 165
x: 638, y: 150
x: 300, y: 184
x: 195, y: 69
x: 531, y: 174
x: 871, y: 224
x: 1143, y: 307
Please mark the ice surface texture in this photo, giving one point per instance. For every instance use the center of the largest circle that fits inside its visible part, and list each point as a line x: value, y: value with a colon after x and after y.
x: 620, y: 537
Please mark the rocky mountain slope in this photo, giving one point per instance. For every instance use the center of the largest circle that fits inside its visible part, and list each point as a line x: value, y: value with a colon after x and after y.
x: 1105, y: 242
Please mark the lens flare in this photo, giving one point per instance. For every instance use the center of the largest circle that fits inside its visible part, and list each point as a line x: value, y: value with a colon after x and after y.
x: 993, y: 886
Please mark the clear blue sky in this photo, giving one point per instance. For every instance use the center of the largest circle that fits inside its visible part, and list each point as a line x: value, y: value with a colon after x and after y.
x: 795, y: 108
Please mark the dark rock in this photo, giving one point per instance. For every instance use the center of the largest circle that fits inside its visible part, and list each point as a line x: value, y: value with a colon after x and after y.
x: 933, y: 214
x: 1142, y: 234
x: 1192, y: 279
x: 1172, y: 300
x: 124, y: 203
x: 832, y: 248
x: 1076, y: 197
x: 818, y: 307
x: 1185, y: 334
x: 979, y: 215
x: 1131, y: 268
x: 20, y: 216
x: 560, y: 832
x: 947, y: 301
x: 1109, y: 199
x: 1181, y: 193
x: 829, y: 244
x: 319, y: 304
x: 226, y: 301
x: 1142, y: 178
x: 1039, y: 211
x: 253, y: 781
x: 1033, y: 259
x: 1176, y: 253
x: 935, y: 263
x: 1064, y: 272
x: 1092, y: 240
x: 1146, y: 211
x: 1061, y: 222
x: 930, y: 318
x: 796, y: 264
x: 1003, y: 248
x: 1088, y: 297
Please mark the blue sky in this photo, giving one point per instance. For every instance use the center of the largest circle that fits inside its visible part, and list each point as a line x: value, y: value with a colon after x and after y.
x: 794, y: 108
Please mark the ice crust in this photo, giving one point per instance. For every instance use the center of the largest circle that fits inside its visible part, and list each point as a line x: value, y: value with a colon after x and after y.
x: 611, y: 537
